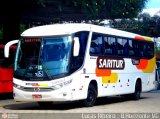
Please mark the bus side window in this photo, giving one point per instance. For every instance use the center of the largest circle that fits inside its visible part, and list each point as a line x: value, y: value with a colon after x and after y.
x: 136, y: 48
x: 78, y: 60
x: 150, y: 50
x: 125, y: 47
x: 96, y: 47
x: 131, y: 48
x: 120, y: 47
x: 142, y: 48
x: 83, y: 37
x: 109, y: 43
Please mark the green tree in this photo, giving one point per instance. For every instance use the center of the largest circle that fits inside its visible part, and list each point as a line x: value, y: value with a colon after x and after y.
x: 111, y: 9
x: 144, y: 25
x: 13, y: 10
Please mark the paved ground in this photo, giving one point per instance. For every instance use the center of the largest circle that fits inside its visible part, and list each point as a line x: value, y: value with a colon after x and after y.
x: 149, y: 103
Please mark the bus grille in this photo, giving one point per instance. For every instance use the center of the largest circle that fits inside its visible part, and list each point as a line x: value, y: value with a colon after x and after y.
x: 37, y: 89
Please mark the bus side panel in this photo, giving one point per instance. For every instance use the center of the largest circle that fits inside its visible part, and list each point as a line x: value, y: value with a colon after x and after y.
x: 125, y: 84
x: 152, y: 82
x: 104, y: 89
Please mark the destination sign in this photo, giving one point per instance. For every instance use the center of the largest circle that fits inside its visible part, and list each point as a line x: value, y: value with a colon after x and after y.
x: 31, y: 39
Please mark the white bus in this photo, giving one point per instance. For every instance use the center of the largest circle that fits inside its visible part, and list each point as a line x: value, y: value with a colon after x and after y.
x: 70, y: 62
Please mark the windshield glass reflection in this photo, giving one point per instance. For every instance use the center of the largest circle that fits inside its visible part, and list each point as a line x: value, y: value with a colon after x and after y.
x: 45, y: 58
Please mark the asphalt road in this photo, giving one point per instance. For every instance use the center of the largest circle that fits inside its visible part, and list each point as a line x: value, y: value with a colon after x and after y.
x: 109, y: 107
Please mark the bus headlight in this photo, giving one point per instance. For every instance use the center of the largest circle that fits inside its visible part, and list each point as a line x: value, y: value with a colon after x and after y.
x: 58, y: 86
x: 55, y: 87
x: 18, y: 86
x: 67, y: 82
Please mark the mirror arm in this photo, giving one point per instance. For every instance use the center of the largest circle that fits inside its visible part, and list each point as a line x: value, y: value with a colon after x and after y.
x: 7, y: 46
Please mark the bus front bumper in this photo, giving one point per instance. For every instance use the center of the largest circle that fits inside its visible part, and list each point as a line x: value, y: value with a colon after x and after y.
x: 60, y: 95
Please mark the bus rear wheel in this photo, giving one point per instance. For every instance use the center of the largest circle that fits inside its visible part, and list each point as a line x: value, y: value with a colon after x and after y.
x: 137, y: 93
x: 91, y: 96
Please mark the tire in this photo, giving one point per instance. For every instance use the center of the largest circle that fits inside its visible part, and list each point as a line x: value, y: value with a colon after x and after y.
x: 91, y: 96
x: 137, y: 93
x: 158, y: 87
x: 45, y: 104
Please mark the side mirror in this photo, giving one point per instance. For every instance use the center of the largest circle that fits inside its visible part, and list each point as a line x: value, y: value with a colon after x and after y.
x: 7, y: 46
x: 76, y: 46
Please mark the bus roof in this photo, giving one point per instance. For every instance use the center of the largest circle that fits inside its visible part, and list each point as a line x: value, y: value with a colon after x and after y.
x: 65, y: 29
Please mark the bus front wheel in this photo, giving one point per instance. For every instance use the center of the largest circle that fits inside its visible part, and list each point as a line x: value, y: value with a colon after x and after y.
x: 91, y: 96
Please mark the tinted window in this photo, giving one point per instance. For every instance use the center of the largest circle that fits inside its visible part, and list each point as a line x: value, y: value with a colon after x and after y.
x: 78, y: 60
x: 122, y: 47
x: 142, y: 49
x: 131, y: 51
x: 110, y: 45
x: 136, y: 48
x: 83, y: 38
x: 96, y: 47
x: 150, y: 50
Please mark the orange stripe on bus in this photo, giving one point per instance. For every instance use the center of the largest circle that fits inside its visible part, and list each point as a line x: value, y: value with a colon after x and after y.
x: 143, y: 64
x: 143, y: 38
x: 150, y: 66
x: 103, y: 72
x: 139, y: 38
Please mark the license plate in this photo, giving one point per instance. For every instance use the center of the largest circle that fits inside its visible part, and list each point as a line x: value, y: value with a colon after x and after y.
x: 36, y: 96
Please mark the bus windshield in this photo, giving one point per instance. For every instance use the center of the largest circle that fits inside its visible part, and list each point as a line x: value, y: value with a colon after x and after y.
x: 44, y: 58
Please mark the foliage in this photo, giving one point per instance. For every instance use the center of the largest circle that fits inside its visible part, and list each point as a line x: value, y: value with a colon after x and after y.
x: 12, y: 10
x: 111, y: 9
x: 10, y: 16
x: 144, y: 25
